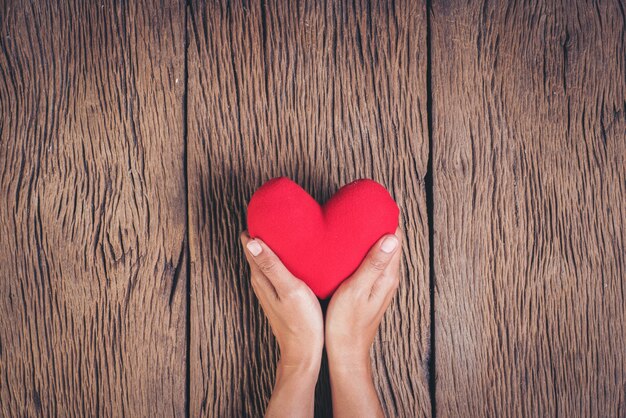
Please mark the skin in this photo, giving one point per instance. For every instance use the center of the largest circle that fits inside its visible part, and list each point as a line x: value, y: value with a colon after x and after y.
x: 354, y: 314
x: 296, y: 319
x: 352, y: 320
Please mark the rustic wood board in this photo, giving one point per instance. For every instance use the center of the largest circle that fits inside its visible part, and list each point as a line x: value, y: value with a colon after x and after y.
x: 324, y: 93
x: 92, y: 209
x: 529, y: 147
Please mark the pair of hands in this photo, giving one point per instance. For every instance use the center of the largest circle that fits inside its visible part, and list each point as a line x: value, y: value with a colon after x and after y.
x: 352, y: 319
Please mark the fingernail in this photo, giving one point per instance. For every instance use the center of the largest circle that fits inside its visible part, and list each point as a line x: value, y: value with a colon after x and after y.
x: 389, y: 244
x: 254, y: 247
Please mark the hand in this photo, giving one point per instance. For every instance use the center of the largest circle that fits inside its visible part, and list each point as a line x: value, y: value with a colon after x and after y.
x: 352, y: 319
x: 296, y: 319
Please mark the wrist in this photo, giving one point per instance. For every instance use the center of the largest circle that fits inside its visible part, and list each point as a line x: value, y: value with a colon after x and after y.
x: 302, y: 377
x: 294, y: 389
x: 359, y: 366
x: 302, y: 364
x: 349, y: 358
x: 352, y: 387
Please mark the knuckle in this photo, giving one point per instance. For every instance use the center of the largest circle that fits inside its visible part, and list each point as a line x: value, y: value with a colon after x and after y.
x: 267, y: 265
x: 254, y: 276
x: 395, y: 282
x: 296, y: 292
x: 377, y: 264
x: 254, y: 284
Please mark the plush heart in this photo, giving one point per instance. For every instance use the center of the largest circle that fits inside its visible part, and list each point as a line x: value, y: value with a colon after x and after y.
x: 321, y: 245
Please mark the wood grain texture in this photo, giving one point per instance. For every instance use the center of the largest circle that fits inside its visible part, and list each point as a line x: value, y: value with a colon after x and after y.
x: 325, y: 93
x: 92, y: 209
x: 529, y: 142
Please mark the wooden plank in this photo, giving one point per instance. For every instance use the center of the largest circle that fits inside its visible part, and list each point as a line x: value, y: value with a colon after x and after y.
x: 92, y: 212
x: 529, y: 143
x: 323, y: 93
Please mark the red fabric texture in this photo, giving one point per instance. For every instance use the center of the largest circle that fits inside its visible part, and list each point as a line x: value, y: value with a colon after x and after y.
x: 321, y: 245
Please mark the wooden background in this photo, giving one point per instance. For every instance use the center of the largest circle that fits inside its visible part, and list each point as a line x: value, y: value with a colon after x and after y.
x: 132, y: 135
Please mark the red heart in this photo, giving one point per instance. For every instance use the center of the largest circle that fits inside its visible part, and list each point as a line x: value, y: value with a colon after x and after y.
x: 321, y: 245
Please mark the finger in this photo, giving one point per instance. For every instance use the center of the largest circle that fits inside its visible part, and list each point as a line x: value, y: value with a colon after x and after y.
x: 389, y: 281
x: 261, y: 285
x: 260, y: 293
x: 384, y: 305
x: 384, y: 288
x: 270, y: 265
x: 394, y: 265
x: 391, y: 293
x: 375, y: 262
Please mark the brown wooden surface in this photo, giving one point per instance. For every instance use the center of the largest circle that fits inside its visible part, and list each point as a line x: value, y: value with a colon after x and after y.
x: 324, y: 93
x: 529, y: 147
x: 132, y: 136
x: 92, y: 213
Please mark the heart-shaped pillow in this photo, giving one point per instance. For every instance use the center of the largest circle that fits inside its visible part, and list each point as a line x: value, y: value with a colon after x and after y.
x: 321, y: 245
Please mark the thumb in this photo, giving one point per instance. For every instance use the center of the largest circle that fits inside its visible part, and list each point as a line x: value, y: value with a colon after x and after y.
x: 376, y: 261
x: 270, y: 266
